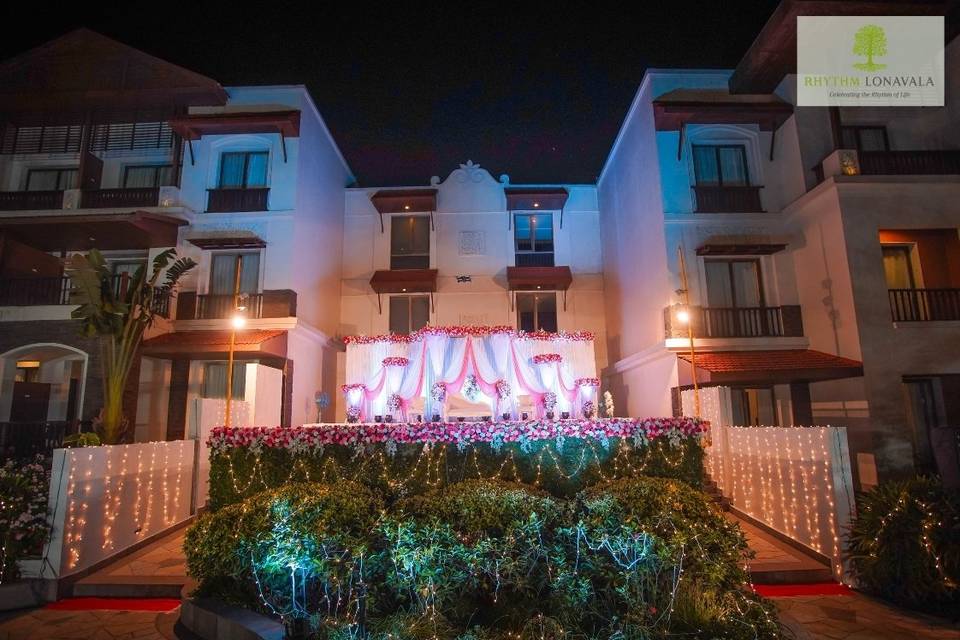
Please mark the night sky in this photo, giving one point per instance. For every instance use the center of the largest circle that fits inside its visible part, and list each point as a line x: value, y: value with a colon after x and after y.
x: 412, y: 92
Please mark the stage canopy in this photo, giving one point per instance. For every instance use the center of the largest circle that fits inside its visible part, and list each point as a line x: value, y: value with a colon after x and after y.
x: 470, y: 371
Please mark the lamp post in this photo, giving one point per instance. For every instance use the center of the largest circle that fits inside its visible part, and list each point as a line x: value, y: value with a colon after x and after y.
x: 237, y: 321
x: 684, y: 317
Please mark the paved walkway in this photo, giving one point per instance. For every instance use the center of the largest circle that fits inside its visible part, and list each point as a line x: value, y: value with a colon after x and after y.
x: 857, y: 617
x: 45, y: 624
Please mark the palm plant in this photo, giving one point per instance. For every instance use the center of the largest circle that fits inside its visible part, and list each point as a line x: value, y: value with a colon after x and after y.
x: 118, y: 316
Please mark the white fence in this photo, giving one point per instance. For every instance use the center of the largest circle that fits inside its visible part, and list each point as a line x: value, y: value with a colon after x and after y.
x: 106, y: 499
x: 796, y: 480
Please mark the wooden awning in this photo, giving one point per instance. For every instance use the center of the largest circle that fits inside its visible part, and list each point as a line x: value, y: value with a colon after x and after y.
x: 233, y: 241
x: 531, y: 198
x: 543, y: 278
x: 404, y: 281
x: 215, y: 344
x: 405, y: 201
x: 194, y: 127
x: 744, y: 249
x: 135, y: 230
x: 774, y: 366
x: 675, y: 109
x: 84, y: 76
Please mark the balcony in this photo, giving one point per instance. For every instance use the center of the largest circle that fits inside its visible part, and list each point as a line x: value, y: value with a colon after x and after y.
x: 30, y: 200
x: 727, y: 199
x: 850, y: 162
x: 231, y: 200
x: 119, y: 198
x: 737, y: 322
x: 924, y: 305
x: 31, y: 292
x: 534, y: 259
x: 277, y: 303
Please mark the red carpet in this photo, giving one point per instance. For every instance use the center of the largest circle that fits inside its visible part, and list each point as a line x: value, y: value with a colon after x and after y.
x: 115, y: 604
x: 815, y: 589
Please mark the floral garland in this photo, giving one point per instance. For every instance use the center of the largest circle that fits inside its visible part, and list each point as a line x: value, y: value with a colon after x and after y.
x: 438, y: 392
x: 314, y: 437
x: 471, y: 388
x: 394, y: 402
x: 549, y: 400
x: 346, y: 388
x: 503, y: 389
x: 396, y: 361
x: 544, y: 358
x: 461, y: 331
x: 587, y: 382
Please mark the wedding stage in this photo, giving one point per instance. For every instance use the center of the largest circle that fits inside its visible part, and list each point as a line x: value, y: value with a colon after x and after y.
x: 481, y: 373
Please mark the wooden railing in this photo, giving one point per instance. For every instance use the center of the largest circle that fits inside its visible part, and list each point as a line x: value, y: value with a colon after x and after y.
x: 275, y: 303
x: 107, y: 198
x: 29, y: 292
x: 727, y: 199
x: 738, y: 322
x: 30, y: 200
x: 942, y: 162
x: 924, y: 305
x: 229, y: 200
x: 26, y: 439
x: 534, y: 259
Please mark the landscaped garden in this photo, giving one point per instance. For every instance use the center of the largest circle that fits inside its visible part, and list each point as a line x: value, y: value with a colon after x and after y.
x: 571, y: 528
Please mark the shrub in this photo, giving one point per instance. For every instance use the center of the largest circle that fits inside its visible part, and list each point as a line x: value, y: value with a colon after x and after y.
x: 905, y: 544
x: 296, y: 549
x: 24, y: 490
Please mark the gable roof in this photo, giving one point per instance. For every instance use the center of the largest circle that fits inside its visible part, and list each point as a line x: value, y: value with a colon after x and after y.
x: 84, y: 72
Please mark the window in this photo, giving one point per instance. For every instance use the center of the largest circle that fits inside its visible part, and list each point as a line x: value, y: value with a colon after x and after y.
x: 215, y: 380
x: 870, y: 138
x: 409, y: 313
x: 734, y: 283
x: 243, y: 170
x: 223, y: 273
x: 898, y: 266
x: 533, y: 237
x: 51, y: 179
x: 753, y: 406
x: 410, y: 242
x: 147, y: 176
x: 537, y: 311
x: 721, y: 165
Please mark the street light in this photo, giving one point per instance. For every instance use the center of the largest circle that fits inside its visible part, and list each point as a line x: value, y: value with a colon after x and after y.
x: 683, y: 316
x: 237, y: 321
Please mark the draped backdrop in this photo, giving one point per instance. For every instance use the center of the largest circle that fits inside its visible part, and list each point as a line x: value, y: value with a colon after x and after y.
x: 497, y: 366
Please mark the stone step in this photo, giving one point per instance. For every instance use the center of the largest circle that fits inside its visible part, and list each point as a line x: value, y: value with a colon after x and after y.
x: 112, y: 586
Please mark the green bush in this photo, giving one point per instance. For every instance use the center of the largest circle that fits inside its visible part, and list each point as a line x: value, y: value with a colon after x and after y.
x: 561, y: 468
x: 24, y: 490
x: 250, y: 552
x: 905, y: 544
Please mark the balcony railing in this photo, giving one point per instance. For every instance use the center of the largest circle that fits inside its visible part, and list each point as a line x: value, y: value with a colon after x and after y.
x: 30, y: 200
x: 229, y: 200
x: 26, y: 439
x: 535, y: 259
x: 924, y: 305
x: 889, y: 163
x: 727, y: 199
x: 30, y: 292
x: 107, y: 198
x: 277, y: 303
x: 738, y: 322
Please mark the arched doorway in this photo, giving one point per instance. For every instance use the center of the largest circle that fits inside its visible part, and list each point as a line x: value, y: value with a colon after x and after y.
x: 42, y: 382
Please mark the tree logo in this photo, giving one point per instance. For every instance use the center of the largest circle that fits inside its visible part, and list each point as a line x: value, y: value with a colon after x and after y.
x: 870, y: 41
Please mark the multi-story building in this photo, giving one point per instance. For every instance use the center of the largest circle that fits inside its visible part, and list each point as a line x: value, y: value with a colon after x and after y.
x: 471, y: 250
x: 106, y: 147
x: 821, y: 254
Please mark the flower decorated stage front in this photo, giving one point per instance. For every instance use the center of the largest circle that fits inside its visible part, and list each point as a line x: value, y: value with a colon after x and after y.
x: 559, y: 456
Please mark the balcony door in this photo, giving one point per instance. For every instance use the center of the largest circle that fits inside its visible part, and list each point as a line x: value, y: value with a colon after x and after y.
x: 722, y: 165
x: 533, y: 238
x: 734, y: 298
x: 243, y: 170
x: 410, y: 242
x: 223, y: 281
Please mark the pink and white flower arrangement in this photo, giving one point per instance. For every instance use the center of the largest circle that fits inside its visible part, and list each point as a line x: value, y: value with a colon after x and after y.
x: 396, y: 361
x: 394, y: 402
x: 346, y: 388
x: 503, y: 389
x: 438, y: 392
x: 461, y: 331
x: 549, y: 400
x: 315, y: 437
x: 471, y: 388
x: 544, y: 358
x: 587, y: 409
x: 587, y: 382
x: 353, y: 414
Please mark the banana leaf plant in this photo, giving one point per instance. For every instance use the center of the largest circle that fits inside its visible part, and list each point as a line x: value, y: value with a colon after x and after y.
x: 118, y: 310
